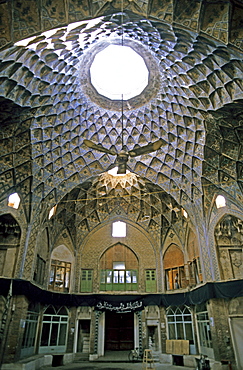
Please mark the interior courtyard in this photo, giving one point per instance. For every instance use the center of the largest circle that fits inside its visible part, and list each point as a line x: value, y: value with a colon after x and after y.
x: 121, y: 181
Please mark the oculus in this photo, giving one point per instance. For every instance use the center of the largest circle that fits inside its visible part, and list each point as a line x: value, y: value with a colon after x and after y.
x: 118, y: 72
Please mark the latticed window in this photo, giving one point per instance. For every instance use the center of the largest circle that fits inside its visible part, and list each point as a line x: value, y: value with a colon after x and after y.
x: 30, y: 329
x: 150, y: 278
x: 179, y: 322
x: 86, y: 280
x: 60, y: 275
x: 118, y: 280
x: 54, y: 330
x: 205, y: 339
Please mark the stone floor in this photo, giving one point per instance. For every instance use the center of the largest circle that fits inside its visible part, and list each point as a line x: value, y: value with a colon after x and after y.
x: 115, y: 361
x: 115, y: 366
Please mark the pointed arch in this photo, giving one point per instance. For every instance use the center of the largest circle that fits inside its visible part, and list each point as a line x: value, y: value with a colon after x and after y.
x: 228, y: 235
x: 174, y: 267
x: 118, y: 268
x: 54, y: 330
x: 10, y: 235
x: 60, y: 270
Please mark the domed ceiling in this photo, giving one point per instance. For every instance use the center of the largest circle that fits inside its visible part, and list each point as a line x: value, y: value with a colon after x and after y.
x: 193, y: 103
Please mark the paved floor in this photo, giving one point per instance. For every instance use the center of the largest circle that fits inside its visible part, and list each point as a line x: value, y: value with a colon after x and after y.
x: 114, y: 361
x: 114, y: 366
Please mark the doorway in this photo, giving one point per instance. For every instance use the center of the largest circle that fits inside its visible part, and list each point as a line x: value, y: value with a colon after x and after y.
x: 83, y: 336
x: 119, y: 331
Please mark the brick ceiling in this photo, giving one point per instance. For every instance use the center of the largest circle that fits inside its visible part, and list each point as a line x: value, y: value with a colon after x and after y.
x: 197, y: 112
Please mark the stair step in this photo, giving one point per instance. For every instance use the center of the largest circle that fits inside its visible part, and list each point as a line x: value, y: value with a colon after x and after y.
x: 79, y: 357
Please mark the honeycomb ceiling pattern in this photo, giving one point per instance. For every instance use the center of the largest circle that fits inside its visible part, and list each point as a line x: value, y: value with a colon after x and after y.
x: 127, y: 197
x: 198, y: 77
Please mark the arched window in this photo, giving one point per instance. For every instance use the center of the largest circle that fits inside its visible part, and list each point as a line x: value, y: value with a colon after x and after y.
x: 180, y: 325
x: 220, y: 201
x: 174, y: 268
x: 54, y: 330
x: 14, y: 200
x: 60, y: 272
x: 118, y: 269
x: 52, y: 212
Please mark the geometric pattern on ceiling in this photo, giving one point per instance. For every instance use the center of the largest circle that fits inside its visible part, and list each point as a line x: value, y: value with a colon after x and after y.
x: 221, y: 20
x: 128, y: 196
x: 198, y: 76
x: 223, y: 167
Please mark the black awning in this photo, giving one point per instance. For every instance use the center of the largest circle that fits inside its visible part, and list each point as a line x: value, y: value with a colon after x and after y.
x: 126, y: 302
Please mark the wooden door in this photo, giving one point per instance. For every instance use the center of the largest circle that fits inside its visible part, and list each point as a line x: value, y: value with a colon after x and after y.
x: 119, y: 331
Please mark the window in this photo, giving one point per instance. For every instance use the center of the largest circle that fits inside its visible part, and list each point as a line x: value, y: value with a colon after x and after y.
x: 204, y: 331
x: 60, y: 275
x: 195, y: 272
x: 54, y: 330
x: 113, y: 172
x: 86, y: 280
x: 52, y: 212
x: 118, y: 269
x: 179, y: 323
x: 39, y: 273
x: 220, y: 201
x: 175, y: 278
x: 119, y: 229
x: 30, y: 330
x: 14, y: 200
x: 118, y: 280
x: 184, y: 213
x: 150, y: 278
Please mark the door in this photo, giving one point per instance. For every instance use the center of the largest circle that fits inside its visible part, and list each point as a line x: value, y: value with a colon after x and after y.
x: 119, y: 331
x: 83, y: 336
x: 237, y: 334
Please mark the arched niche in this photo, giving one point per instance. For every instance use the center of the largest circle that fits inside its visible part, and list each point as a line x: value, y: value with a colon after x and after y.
x: 119, y: 269
x: 10, y: 234
x: 118, y: 253
x: 100, y: 240
x: 228, y: 235
x: 61, y: 269
x: 173, y: 262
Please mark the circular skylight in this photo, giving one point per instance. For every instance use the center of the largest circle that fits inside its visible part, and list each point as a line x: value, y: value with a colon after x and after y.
x: 118, y: 72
